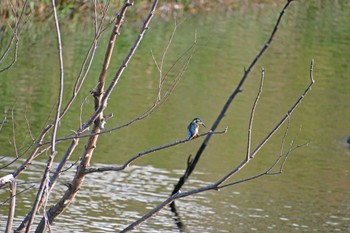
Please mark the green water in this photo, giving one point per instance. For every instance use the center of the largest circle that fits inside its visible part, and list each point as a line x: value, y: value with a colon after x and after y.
x: 312, y: 194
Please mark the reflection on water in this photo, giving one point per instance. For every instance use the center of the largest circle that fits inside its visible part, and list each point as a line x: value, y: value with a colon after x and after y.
x: 311, y: 195
x: 111, y: 201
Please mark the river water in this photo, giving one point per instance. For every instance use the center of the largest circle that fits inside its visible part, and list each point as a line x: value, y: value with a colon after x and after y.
x: 311, y: 195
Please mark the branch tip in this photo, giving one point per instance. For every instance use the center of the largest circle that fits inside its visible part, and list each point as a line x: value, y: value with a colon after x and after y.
x: 312, y: 71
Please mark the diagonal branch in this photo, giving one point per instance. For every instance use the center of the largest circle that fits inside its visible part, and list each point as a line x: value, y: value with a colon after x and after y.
x: 312, y: 81
x: 14, y: 38
x: 218, y: 184
x: 121, y: 69
x: 226, y: 106
x: 128, y: 162
x: 273, y: 131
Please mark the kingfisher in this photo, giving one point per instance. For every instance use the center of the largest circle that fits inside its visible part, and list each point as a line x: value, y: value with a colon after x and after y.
x: 193, y: 127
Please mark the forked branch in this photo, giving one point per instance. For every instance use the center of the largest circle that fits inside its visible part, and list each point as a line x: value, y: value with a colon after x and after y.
x: 226, y: 106
x: 14, y: 38
x: 219, y: 184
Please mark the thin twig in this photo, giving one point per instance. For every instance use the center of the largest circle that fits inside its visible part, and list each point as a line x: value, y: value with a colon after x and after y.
x: 86, y: 65
x: 14, y: 133
x: 5, y: 201
x: 3, y: 122
x: 28, y: 126
x: 148, y: 111
x: 272, y: 132
x: 121, y: 69
x: 253, y: 112
x: 14, y: 38
x: 40, y: 194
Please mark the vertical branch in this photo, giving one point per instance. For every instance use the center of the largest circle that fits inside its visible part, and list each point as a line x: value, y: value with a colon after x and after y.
x: 253, y: 112
x: 14, y: 133
x: 160, y: 66
x: 60, y: 95
x: 46, y: 175
x: 77, y: 86
x: 108, y: 55
x: 28, y: 126
x: 91, y: 145
x: 312, y: 81
x: 121, y: 69
x: 9, y: 179
x: 88, y: 59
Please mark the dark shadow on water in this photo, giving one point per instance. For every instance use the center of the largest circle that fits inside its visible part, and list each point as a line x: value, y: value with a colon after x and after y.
x: 177, y: 218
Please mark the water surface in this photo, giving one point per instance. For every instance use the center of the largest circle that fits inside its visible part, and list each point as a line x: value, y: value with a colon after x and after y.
x: 312, y: 194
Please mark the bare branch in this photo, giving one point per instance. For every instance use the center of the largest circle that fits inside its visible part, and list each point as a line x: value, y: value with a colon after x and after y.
x: 3, y: 122
x: 121, y: 69
x: 226, y: 106
x: 17, y: 193
x: 271, y: 133
x: 28, y: 127
x: 268, y: 170
x: 41, y: 192
x: 61, y: 86
x: 160, y: 67
x: 100, y: 105
x: 253, y: 112
x: 9, y: 179
x: 45, y: 179
x: 312, y: 81
x: 282, y: 145
x: 14, y: 133
x: 157, y: 103
x: 127, y: 163
x: 14, y: 38
x: 218, y: 184
x: 86, y: 65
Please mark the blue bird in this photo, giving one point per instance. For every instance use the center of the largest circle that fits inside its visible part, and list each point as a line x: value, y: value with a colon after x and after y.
x: 193, y: 127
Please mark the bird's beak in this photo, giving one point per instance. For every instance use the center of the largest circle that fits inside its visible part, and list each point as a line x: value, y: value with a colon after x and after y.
x: 204, y: 125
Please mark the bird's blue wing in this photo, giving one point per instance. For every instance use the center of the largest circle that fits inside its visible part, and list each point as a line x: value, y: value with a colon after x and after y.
x: 189, y: 134
x: 191, y: 130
